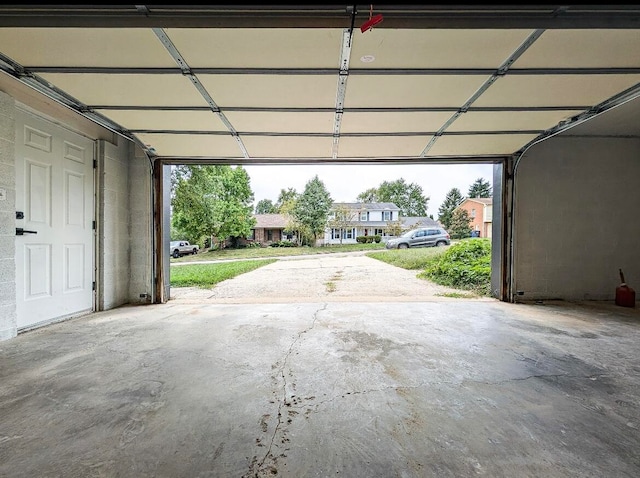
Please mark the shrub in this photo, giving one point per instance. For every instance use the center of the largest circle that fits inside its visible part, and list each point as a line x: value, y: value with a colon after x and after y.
x: 465, y: 265
x: 361, y: 239
x: 377, y: 238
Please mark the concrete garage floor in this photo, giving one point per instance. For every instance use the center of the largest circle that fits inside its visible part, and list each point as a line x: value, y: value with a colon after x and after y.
x: 407, y: 389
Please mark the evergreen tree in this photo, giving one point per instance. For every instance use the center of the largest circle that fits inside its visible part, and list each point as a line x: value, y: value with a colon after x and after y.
x: 480, y: 189
x: 451, y: 202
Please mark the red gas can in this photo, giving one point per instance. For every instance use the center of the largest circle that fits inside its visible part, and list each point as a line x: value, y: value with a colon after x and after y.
x: 625, y: 295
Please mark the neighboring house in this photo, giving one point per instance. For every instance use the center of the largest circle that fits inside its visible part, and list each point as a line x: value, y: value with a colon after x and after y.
x: 350, y: 220
x: 269, y: 228
x: 480, y: 212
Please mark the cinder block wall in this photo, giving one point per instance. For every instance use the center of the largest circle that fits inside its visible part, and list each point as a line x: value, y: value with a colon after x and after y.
x: 576, y: 218
x: 8, y: 324
x: 114, y: 214
x: 140, y: 226
x: 125, y: 225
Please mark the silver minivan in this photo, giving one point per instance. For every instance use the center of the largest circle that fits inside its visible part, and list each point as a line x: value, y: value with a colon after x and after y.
x: 421, y: 237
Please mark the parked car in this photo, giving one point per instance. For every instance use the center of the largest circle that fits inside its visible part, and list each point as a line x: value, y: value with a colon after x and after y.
x: 183, y: 248
x: 420, y: 237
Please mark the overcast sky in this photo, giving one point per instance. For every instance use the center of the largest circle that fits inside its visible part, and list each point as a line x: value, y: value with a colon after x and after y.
x: 345, y: 182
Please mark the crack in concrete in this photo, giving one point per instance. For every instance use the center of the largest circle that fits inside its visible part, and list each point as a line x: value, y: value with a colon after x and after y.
x: 284, y: 401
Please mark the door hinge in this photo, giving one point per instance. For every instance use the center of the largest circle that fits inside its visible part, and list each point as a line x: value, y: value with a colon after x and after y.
x: 95, y: 164
x: 93, y: 225
x: 93, y: 286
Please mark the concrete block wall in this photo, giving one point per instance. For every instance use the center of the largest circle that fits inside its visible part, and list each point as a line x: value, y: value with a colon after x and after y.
x: 113, y: 216
x: 575, y: 211
x: 8, y: 324
x: 141, y: 226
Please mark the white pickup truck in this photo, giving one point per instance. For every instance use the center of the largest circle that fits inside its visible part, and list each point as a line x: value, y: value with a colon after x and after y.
x: 182, y: 248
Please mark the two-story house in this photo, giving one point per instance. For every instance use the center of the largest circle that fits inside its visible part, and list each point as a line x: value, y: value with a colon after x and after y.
x: 480, y: 212
x: 350, y: 220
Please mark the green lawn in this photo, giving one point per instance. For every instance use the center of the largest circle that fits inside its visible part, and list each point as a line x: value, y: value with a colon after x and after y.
x: 206, y: 276
x: 263, y: 252
x: 413, y: 259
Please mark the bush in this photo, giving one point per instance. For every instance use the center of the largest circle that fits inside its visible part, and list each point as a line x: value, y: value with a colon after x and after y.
x: 377, y: 238
x: 283, y: 244
x: 465, y: 265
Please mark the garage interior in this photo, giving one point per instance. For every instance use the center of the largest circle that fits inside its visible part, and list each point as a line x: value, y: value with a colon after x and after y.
x: 96, y: 103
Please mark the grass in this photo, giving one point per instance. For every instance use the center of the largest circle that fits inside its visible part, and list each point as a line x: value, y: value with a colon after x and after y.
x: 206, y: 276
x: 412, y: 259
x: 265, y: 252
x: 458, y: 295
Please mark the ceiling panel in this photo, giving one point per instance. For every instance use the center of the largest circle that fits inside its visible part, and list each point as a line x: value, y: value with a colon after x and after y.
x: 555, y: 90
x: 480, y: 144
x: 592, y: 48
x: 382, y: 147
x: 296, y: 82
x: 509, y: 120
x: 390, y: 122
x: 282, y: 122
x: 191, y: 145
x: 87, y: 47
x: 287, y: 147
x: 127, y: 89
x: 434, y: 48
x: 258, y: 48
x: 407, y: 91
x: 166, y: 120
x: 276, y: 91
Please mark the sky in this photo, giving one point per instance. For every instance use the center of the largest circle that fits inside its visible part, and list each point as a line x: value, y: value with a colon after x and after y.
x: 345, y: 182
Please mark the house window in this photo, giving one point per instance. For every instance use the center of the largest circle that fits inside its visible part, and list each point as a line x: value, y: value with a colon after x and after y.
x: 386, y: 215
x: 335, y: 233
x: 364, y: 216
x: 348, y: 234
x: 473, y: 213
x: 269, y: 235
x: 378, y: 232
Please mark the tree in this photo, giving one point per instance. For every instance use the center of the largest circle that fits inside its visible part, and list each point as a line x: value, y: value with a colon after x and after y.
x: 265, y: 206
x: 312, y: 207
x: 211, y: 201
x: 370, y: 195
x: 451, y: 202
x: 480, y: 189
x: 408, y: 197
x: 286, y: 196
x: 343, y: 218
x: 460, y: 224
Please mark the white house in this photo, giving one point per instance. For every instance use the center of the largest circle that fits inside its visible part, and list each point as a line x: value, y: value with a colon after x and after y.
x: 350, y: 220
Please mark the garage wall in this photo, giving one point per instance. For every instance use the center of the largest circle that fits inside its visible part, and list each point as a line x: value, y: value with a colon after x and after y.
x: 125, y: 225
x: 113, y: 230
x: 575, y: 211
x: 141, y: 227
x: 8, y: 326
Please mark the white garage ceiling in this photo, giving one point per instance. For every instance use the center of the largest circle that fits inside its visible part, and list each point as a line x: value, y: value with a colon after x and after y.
x: 280, y: 84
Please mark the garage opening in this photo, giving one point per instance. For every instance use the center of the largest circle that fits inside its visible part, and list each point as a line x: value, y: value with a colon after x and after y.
x: 367, y: 210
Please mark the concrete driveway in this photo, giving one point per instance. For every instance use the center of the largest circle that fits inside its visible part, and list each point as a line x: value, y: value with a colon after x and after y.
x: 322, y: 388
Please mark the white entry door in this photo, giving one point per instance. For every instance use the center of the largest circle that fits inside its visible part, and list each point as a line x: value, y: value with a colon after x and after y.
x: 54, y: 222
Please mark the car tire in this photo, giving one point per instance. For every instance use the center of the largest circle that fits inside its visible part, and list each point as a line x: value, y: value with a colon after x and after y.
x: 403, y: 246
x: 176, y: 254
x: 440, y: 243
x: 195, y: 251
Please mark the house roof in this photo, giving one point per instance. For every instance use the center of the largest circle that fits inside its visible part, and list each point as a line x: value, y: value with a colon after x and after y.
x: 418, y: 221
x: 270, y: 221
x: 368, y: 205
x: 485, y: 201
